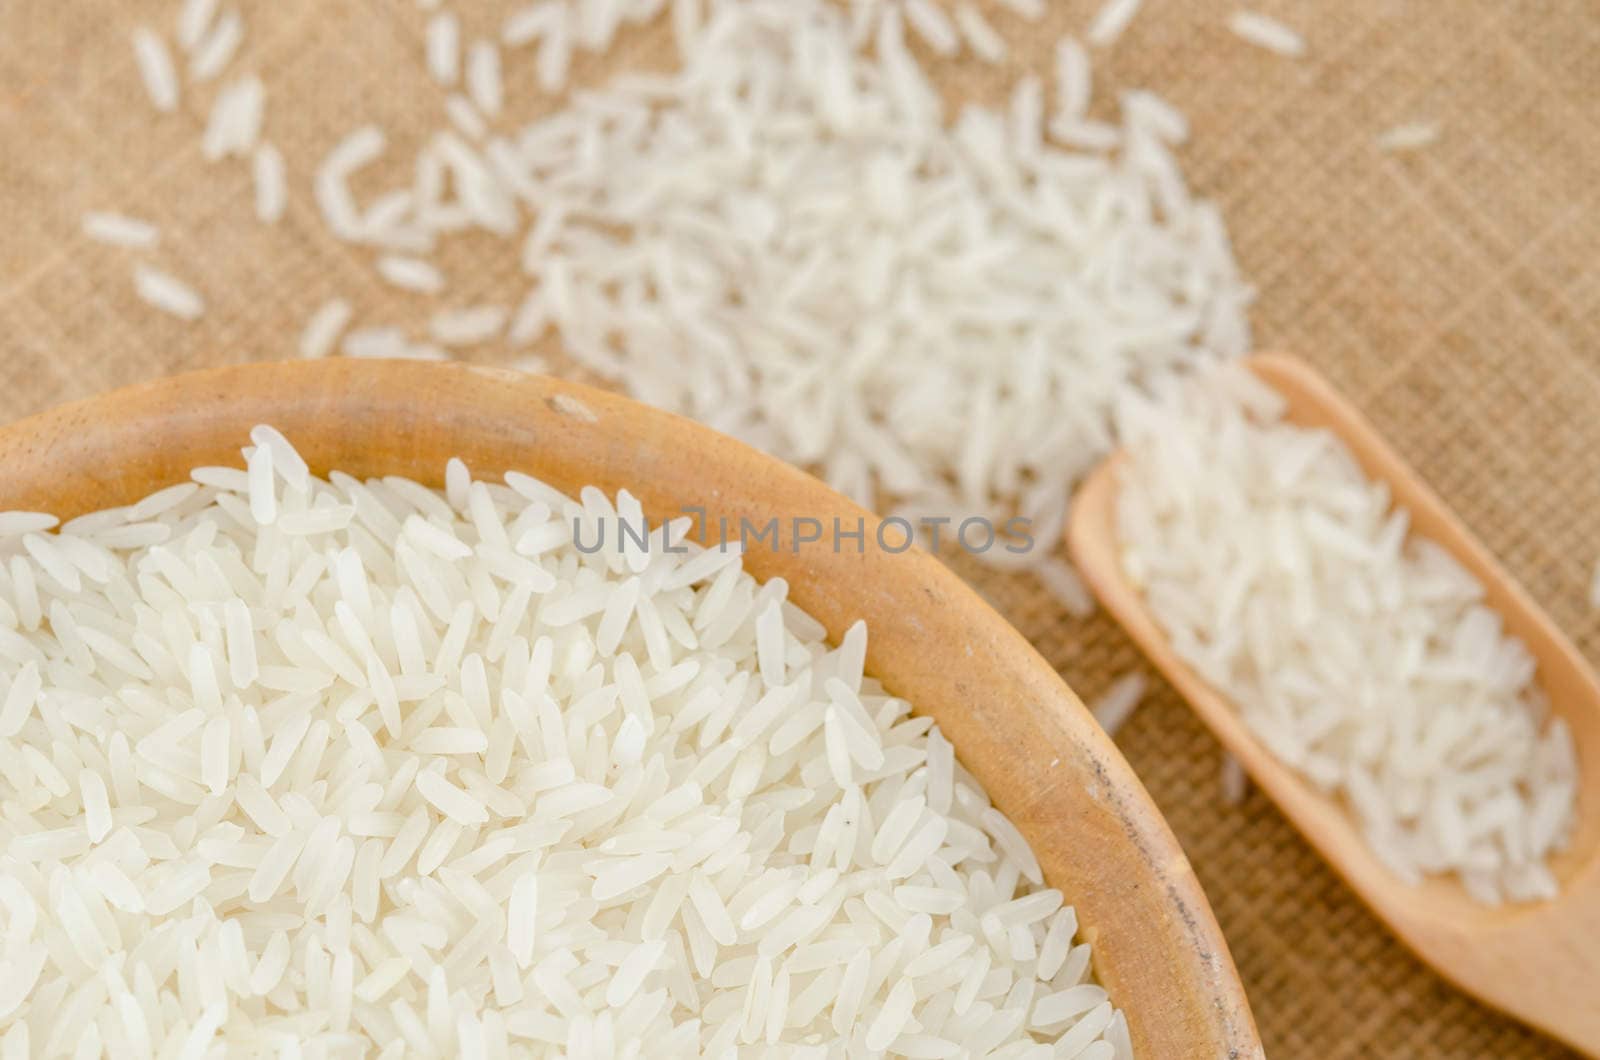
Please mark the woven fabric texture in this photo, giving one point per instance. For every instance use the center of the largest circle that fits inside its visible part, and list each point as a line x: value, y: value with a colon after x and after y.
x: 1451, y: 291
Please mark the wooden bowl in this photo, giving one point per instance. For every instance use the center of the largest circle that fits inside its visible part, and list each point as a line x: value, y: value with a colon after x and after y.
x: 1015, y: 725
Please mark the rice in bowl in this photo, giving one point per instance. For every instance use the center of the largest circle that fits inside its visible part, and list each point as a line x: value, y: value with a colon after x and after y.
x: 337, y: 765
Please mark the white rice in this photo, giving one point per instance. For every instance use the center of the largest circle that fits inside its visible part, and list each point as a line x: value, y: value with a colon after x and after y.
x: 15, y: 524
x: 217, y: 49
x: 1109, y: 22
x: 160, y: 77
x: 1361, y: 655
x: 529, y: 24
x: 1147, y: 112
x: 930, y: 22
x: 687, y: 21
x: 167, y: 293
x: 375, y: 342
x: 597, y: 22
x: 554, y: 58
x: 980, y: 34
x: 411, y: 274
x: 443, y: 47
x: 194, y: 18
x: 387, y: 215
x: 1031, y: 10
x: 357, y: 149
x: 271, y: 184
x: 234, y: 125
x: 835, y: 341
x: 483, y: 78
x: 1085, y: 133
x: 1266, y: 32
x: 562, y: 843
x: 1065, y: 586
x: 1409, y: 136
x: 1113, y: 709
x: 465, y: 117
x: 468, y: 327
x: 120, y: 230
x: 324, y: 327
x: 1073, y: 79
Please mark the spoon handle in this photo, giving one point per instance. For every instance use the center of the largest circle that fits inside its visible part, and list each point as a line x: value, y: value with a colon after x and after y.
x: 1541, y: 964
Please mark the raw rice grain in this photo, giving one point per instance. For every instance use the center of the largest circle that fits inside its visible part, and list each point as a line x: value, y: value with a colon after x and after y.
x: 167, y: 293
x: 160, y: 77
x: 217, y: 48
x: 1266, y: 32
x: 271, y: 184
x: 980, y: 35
x: 322, y: 330
x: 1110, y: 21
x: 119, y: 230
x: 443, y: 45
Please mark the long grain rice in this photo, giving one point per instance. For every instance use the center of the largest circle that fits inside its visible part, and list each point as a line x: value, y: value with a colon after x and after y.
x: 194, y: 18
x: 271, y: 184
x: 1266, y: 32
x: 411, y: 274
x: 217, y: 48
x: 528, y: 24
x: 167, y: 293
x: 560, y: 810
x: 1359, y: 654
x: 119, y: 230
x: 1408, y: 136
x: 467, y: 327
x: 691, y: 340
x: 160, y: 77
x: 1113, y: 709
x: 483, y: 78
x: 1112, y: 18
x: 980, y: 34
x: 930, y: 22
x: 234, y: 125
x: 443, y: 46
x: 322, y: 329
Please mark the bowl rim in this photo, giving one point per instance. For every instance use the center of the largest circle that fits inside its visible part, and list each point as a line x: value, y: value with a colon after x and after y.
x: 1023, y: 733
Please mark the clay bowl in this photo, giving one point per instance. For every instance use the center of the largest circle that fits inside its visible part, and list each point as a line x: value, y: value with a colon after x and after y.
x: 1015, y: 725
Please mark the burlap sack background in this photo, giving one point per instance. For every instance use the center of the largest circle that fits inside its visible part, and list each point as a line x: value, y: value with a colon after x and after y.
x: 1452, y: 292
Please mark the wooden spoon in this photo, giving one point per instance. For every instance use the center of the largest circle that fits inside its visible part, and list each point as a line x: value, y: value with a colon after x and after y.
x: 1540, y: 962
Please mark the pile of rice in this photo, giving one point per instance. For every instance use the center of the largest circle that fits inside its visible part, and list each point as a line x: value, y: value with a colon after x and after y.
x: 331, y: 768
x: 792, y: 238
x: 1358, y: 653
x: 792, y: 241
